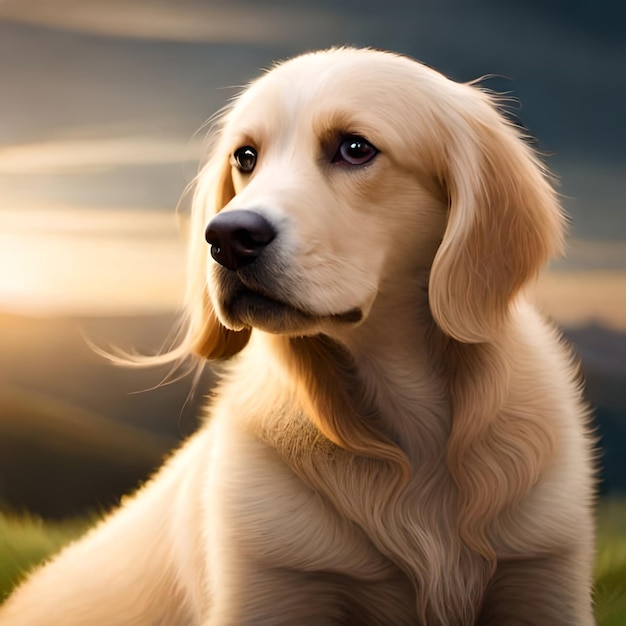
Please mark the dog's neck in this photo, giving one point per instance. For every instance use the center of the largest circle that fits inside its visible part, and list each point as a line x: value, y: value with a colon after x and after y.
x: 393, y: 353
x: 376, y: 380
x: 379, y: 375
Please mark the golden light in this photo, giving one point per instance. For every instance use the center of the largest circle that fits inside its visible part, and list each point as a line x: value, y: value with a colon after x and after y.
x: 86, y: 261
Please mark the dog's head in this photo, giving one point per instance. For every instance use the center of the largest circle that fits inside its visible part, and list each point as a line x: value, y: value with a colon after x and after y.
x: 341, y: 170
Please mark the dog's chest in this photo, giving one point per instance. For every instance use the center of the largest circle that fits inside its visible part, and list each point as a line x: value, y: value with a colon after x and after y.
x: 347, y: 524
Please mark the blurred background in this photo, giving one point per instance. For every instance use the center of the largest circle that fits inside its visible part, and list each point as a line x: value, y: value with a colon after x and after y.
x: 102, y: 106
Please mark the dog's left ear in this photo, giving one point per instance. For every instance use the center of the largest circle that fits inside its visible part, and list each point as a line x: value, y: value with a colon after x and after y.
x: 207, y: 337
x: 504, y: 221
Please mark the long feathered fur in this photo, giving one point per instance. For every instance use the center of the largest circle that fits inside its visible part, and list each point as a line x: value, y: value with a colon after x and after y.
x: 425, y: 461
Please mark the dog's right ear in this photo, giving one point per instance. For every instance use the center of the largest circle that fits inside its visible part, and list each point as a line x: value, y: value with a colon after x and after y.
x: 206, y: 336
x: 504, y: 223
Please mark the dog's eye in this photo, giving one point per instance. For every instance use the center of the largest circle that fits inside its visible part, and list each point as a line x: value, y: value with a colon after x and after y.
x: 355, y: 150
x: 244, y: 159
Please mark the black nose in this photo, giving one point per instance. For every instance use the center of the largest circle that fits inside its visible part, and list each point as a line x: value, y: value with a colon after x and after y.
x: 238, y: 237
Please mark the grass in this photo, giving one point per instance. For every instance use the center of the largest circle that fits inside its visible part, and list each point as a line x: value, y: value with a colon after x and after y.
x: 26, y: 541
x: 610, y: 572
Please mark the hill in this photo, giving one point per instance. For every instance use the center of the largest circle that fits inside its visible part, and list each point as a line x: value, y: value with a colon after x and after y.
x: 603, y: 361
x: 50, y: 356
x: 58, y: 460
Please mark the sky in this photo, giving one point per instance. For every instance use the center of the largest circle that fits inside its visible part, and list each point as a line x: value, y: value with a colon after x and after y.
x: 103, y: 106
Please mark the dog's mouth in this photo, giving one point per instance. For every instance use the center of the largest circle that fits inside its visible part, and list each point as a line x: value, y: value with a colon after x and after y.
x: 246, y: 307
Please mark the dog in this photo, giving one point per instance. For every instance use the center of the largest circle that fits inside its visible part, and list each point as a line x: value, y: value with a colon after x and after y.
x: 398, y: 436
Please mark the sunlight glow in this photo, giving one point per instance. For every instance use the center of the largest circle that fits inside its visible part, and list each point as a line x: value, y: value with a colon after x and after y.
x: 102, y: 262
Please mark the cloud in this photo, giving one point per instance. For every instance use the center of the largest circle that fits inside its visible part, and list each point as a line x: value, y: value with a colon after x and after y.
x: 576, y: 299
x: 85, y: 222
x: 181, y: 21
x: 593, y: 254
x: 72, y: 156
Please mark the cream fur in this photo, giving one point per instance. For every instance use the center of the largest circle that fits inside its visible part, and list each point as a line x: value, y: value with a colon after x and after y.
x: 429, y: 464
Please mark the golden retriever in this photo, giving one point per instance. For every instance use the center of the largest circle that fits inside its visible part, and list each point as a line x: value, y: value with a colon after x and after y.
x: 400, y: 438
